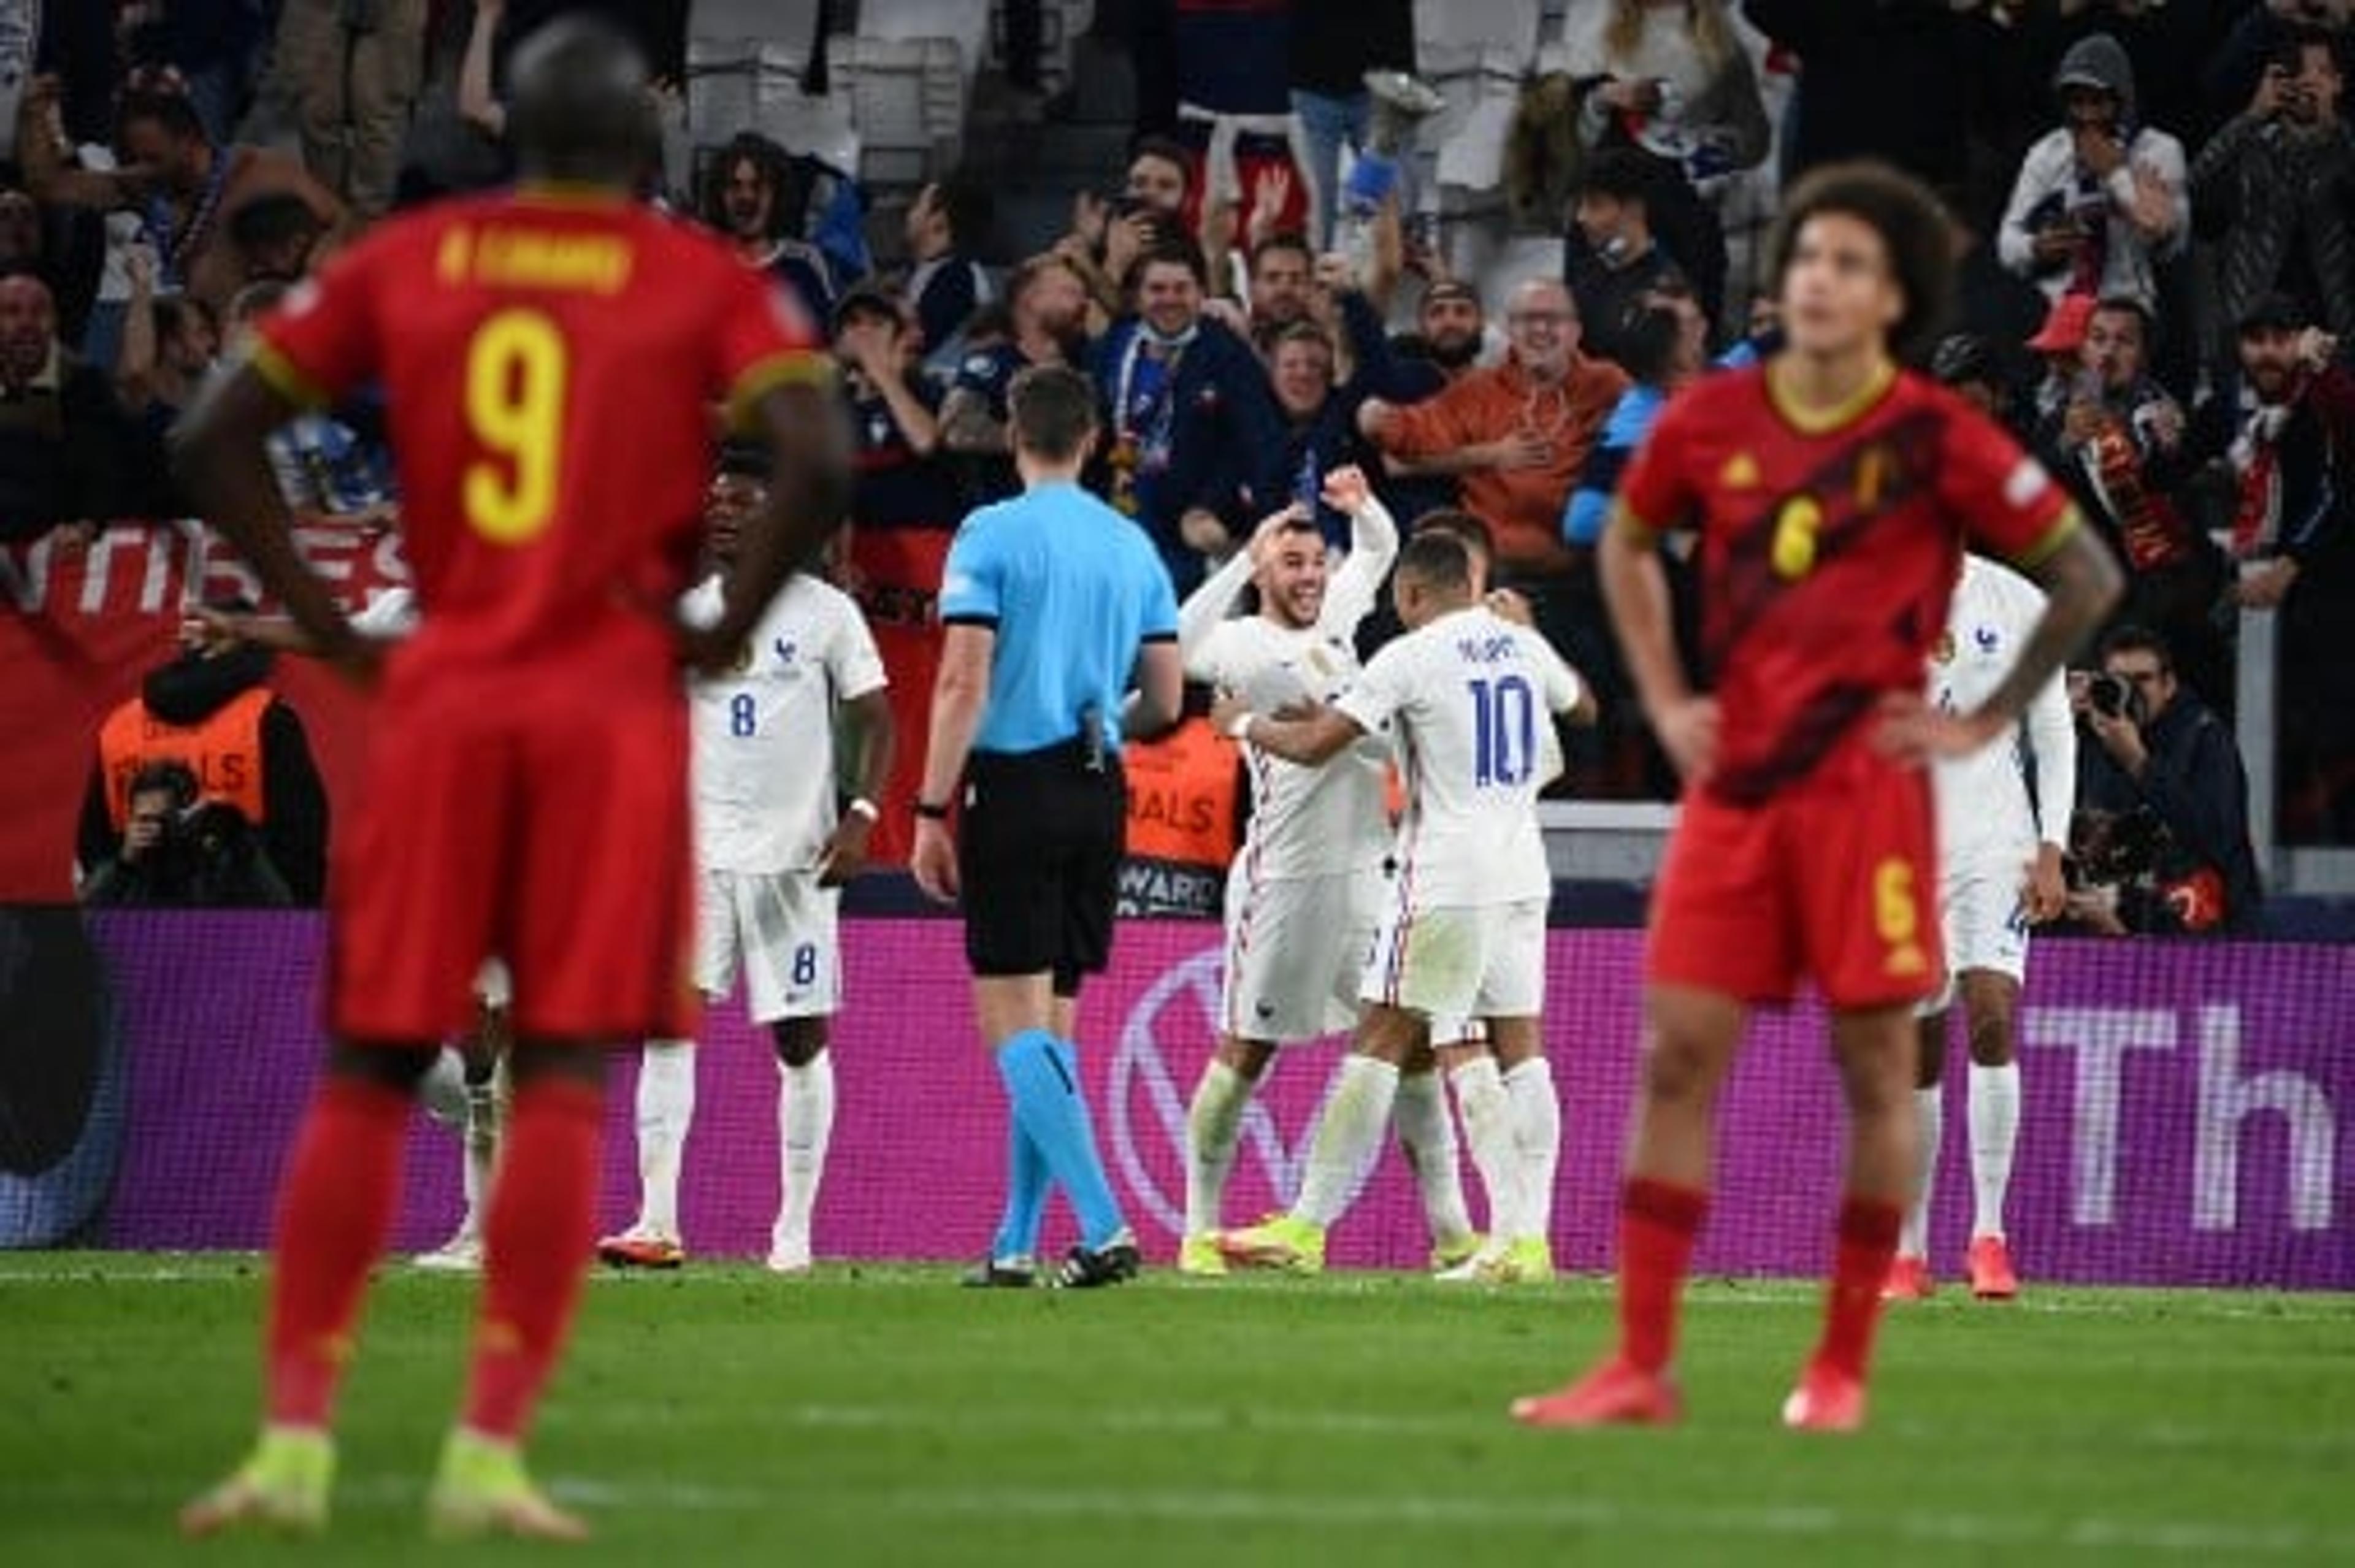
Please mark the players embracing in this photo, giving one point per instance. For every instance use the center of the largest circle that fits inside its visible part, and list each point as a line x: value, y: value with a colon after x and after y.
x: 1468, y: 699
x: 1304, y: 892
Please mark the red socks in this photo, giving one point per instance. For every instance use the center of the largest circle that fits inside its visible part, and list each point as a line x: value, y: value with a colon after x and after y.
x: 1868, y: 1241
x: 1657, y: 1223
x: 335, y: 1206
x: 542, y: 1228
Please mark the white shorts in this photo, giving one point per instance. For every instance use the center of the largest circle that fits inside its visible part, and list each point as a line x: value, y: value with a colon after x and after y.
x: 782, y: 928
x: 1295, y: 950
x: 1454, y: 964
x: 1983, y: 921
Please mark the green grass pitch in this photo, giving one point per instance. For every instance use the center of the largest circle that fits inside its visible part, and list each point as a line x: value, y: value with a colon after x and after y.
x: 881, y: 1415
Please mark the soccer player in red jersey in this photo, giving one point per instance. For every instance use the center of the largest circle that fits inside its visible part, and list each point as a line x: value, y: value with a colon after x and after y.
x: 1832, y: 493
x: 549, y: 358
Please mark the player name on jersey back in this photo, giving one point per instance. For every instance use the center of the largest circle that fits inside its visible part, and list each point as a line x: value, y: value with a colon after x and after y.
x: 1469, y: 698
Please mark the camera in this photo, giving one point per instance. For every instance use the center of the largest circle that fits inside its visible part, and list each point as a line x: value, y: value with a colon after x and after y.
x: 2113, y: 697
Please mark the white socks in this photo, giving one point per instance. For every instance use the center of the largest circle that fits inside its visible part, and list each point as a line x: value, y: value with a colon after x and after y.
x: 1537, y: 1133
x: 804, y: 1126
x: 1213, y: 1124
x: 1995, y: 1134
x: 665, y: 1107
x: 1487, y: 1111
x: 1349, y: 1135
x: 1426, y: 1135
x: 1930, y: 1112
x: 482, y: 1151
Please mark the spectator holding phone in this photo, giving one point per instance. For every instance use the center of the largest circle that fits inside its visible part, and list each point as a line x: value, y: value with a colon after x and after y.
x: 2161, y: 834
x: 2276, y: 186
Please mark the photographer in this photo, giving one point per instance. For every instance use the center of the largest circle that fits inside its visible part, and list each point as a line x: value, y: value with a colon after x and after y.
x: 212, y: 710
x: 2160, y: 839
x: 181, y: 851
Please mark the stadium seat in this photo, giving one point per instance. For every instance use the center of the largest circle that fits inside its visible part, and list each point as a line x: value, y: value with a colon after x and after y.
x: 906, y: 100
x: 1510, y: 25
x: 737, y: 84
x: 1060, y: 23
x: 924, y: 21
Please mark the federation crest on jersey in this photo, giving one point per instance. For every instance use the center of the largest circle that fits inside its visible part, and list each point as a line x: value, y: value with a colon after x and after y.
x: 1942, y: 650
x: 1741, y: 472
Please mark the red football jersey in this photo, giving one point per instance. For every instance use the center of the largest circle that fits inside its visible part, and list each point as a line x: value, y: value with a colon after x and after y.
x: 1828, y: 552
x: 549, y: 360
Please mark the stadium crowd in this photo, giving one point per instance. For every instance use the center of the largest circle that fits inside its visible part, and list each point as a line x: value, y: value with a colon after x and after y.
x: 2155, y: 208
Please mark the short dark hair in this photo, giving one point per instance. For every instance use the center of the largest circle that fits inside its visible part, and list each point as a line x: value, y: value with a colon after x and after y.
x: 1623, y: 174
x: 2133, y: 638
x: 2126, y: 304
x: 1648, y: 342
x: 1172, y: 249
x: 1054, y: 410
x: 1289, y: 240
x: 965, y: 200
x: 868, y: 299
x: 274, y: 218
x: 1469, y: 527
x: 1165, y: 150
x: 172, y: 110
x: 578, y: 107
x: 740, y: 459
x: 2289, y: 53
x: 1437, y: 556
x: 1915, y: 229
x: 166, y: 775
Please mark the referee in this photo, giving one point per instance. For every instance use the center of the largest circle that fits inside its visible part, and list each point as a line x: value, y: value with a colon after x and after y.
x: 1055, y: 606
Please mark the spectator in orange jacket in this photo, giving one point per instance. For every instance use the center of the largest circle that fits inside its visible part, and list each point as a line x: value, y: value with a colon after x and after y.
x: 1518, y: 433
x: 1518, y: 436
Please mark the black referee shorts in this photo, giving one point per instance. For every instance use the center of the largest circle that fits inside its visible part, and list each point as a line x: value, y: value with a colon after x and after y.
x: 1039, y: 850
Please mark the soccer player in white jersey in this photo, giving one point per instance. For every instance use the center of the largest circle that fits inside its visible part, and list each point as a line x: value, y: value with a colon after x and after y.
x: 1999, y: 873
x: 1466, y: 695
x: 1529, y: 1150
x: 1306, y: 889
x: 467, y: 1088
x: 773, y: 852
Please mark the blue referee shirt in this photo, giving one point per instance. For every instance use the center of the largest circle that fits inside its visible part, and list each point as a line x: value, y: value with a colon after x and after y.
x: 1073, y: 590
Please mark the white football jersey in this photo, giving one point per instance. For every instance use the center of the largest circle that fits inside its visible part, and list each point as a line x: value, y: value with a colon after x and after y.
x: 764, y: 749
x: 1985, y: 808
x: 1468, y: 699
x: 1306, y: 822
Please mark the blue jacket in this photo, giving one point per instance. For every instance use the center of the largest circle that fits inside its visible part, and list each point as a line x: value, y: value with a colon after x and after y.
x: 1225, y: 441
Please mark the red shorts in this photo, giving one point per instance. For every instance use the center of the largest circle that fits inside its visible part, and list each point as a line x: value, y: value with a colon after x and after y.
x: 1838, y: 885
x: 532, y: 822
